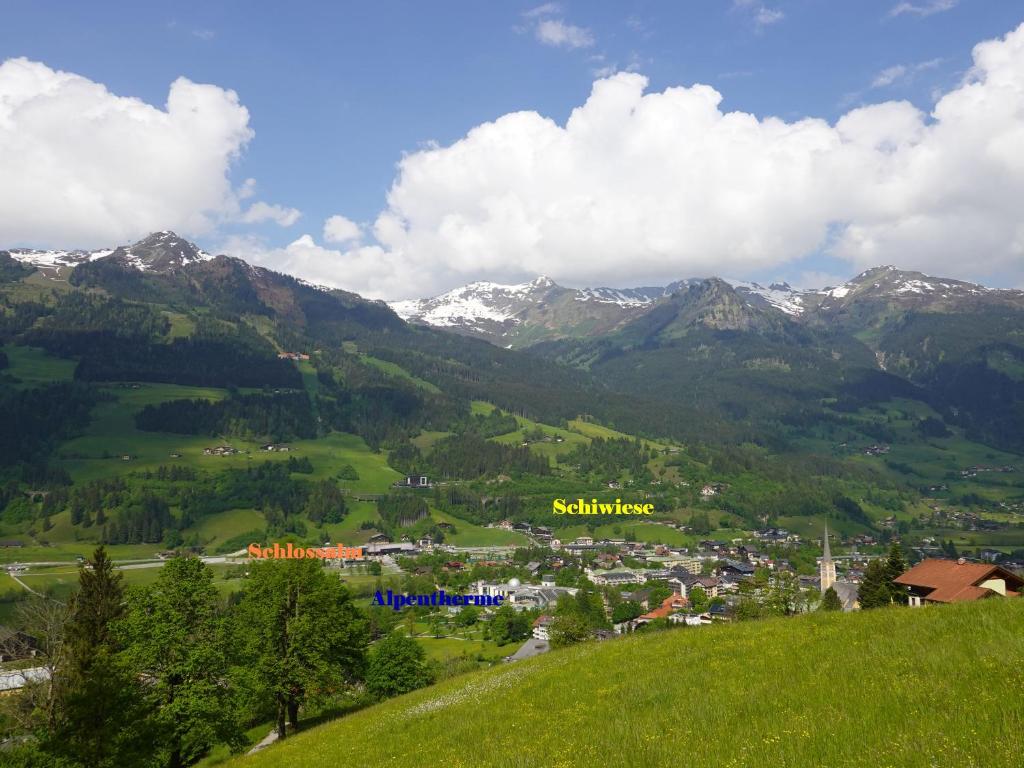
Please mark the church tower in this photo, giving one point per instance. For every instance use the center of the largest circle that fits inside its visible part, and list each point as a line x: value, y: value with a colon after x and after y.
x: 826, y: 568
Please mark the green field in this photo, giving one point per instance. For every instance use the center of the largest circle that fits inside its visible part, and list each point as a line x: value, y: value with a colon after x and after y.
x: 66, y: 551
x: 33, y: 367
x: 470, y: 535
x: 444, y: 648
x: 61, y: 581
x: 898, y: 687
x: 216, y: 529
x: 393, y: 369
x: 111, y: 435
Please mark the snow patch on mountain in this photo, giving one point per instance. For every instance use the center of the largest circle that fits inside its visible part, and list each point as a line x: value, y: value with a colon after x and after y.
x: 56, y: 258
x: 624, y: 297
x: 472, y: 304
x: 782, y: 296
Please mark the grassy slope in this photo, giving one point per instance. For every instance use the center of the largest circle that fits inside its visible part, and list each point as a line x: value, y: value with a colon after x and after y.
x: 898, y: 687
x: 34, y: 367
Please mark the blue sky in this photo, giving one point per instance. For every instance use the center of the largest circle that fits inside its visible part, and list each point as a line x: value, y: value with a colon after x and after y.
x: 337, y: 93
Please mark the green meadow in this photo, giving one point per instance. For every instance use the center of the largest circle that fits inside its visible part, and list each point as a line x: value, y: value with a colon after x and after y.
x: 393, y: 369
x: 34, y: 367
x: 902, y: 688
x: 470, y: 535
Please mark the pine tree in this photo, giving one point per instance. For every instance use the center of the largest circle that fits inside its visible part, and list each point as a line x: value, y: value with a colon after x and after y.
x: 874, y: 588
x: 895, y: 566
x: 99, y: 723
x: 830, y: 601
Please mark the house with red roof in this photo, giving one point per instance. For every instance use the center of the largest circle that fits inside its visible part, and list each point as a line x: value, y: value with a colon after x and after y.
x: 955, y: 581
x: 668, y: 606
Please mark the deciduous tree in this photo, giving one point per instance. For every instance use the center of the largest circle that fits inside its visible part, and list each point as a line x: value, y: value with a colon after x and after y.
x: 397, y: 665
x: 174, y: 640
x: 298, y: 636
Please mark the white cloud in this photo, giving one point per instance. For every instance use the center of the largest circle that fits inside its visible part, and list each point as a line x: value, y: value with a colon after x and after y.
x: 902, y: 72
x: 558, y: 33
x: 638, y: 188
x: 338, y: 229
x: 84, y: 167
x: 768, y: 16
x: 259, y: 212
x: 547, y: 9
x: 204, y: 34
x: 888, y: 76
x: 247, y: 190
x: 922, y: 9
x: 362, y: 266
x: 761, y: 15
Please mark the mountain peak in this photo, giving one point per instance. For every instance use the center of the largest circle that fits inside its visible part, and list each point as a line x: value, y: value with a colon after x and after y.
x: 162, y: 251
x: 889, y: 282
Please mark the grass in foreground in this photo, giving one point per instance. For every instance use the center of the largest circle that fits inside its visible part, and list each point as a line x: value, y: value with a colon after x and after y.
x: 937, y: 686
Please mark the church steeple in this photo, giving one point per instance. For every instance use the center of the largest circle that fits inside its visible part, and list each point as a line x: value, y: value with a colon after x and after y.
x: 826, y: 568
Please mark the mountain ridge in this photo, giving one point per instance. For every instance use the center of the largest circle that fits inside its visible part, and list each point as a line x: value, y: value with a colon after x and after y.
x: 525, y: 313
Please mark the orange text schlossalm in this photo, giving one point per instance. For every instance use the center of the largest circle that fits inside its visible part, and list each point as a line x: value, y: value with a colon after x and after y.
x: 290, y: 552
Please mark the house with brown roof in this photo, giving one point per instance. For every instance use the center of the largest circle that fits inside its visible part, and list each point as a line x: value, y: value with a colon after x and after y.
x: 668, y: 606
x: 955, y: 581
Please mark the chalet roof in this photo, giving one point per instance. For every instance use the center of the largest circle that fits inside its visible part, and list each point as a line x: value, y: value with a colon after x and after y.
x: 668, y: 605
x: 955, y: 580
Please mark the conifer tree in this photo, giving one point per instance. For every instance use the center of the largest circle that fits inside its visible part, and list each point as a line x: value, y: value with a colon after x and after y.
x: 895, y: 566
x: 99, y: 722
x: 874, y: 589
x: 830, y: 601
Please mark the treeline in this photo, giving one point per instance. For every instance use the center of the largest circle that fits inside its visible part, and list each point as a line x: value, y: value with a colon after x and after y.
x: 35, y: 420
x: 469, y: 456
x: 182, y: 361
x: 495, y: 423
x: 381, y: 409
x: 399, y: 510
x: 156, y: 676
x: 11, y: 269
x: 475, y: 507
x: 284, y: 416
x: 143, y: 521
x: 77, y: 312
x: 264, y: 485
x: 89, y: 503
x: 609, y: 457
x: 140, y: 513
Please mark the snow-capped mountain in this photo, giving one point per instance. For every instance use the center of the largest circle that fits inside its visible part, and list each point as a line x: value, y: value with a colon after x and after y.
x: 889, y: 287
x: 890, y: 282
x: 476, y: 306
x: 158, y: 252
x: 524, y: 313
x: 490, y: 309
x: 781, y: 296
x: 50, y: 262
